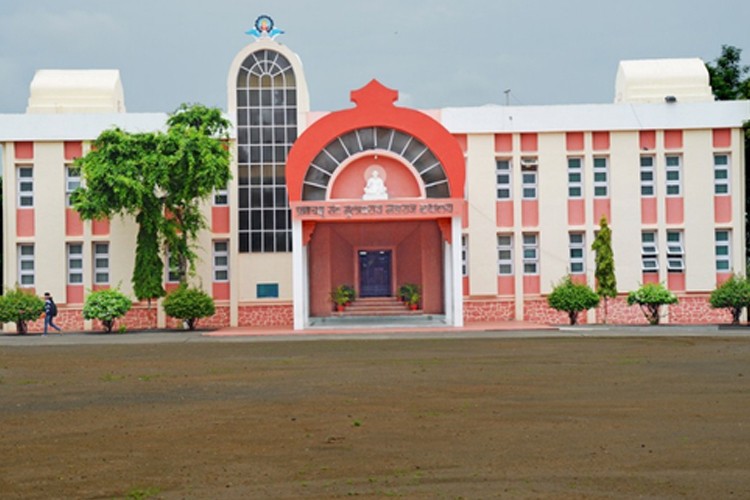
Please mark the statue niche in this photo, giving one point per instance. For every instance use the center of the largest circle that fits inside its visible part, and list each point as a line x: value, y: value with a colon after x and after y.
x: 375, y: 188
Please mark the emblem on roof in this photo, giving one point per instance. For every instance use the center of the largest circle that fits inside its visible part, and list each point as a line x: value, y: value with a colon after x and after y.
x: 264, y: 27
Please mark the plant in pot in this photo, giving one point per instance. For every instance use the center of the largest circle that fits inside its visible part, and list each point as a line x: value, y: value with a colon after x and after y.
x: 405, y: 292
x: 414, y: 298
x: 339, y: 297
x: 351, y: 294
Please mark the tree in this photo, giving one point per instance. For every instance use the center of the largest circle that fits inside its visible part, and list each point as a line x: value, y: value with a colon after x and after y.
x: 572, y: 298
x: 160, y: 179
x: 106, y: 306
x: 606, y: 281
x: 650, y: 297
x: 189, y: 305
x: 733, y: 294
x: 20, y: 306
x: 728, y: 76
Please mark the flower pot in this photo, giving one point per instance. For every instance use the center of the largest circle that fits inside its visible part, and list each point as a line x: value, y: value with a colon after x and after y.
x: 413, y: 307
x: 340, y: 307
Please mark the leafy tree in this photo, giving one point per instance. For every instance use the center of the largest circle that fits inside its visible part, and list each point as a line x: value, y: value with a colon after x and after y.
x: 606, y: 281
x: 733, y: 294
x: 106, y: 306
x: 728, y: 75
x: 20, y: 306
x: 160, y: 178
x: 650, y: 297
x: 572, y: 298
x: 189, y: 304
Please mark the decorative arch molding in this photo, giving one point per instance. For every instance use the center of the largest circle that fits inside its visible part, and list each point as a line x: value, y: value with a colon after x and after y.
x: 375, y: 123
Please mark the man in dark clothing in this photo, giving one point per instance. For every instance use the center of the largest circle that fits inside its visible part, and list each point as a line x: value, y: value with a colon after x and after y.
x: 50, y: 311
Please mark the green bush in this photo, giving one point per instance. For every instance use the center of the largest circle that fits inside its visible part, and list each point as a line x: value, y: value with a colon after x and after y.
x: 572, y: 298
x: 20, y: 306
x: 650, y: 297
x: 188, y: 305
x: 106, y: 306
x: 733, y: 294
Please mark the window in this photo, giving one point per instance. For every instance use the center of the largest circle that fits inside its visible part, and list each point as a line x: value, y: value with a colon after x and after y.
x: 72, y: 181
x: 577, y: 253
x: 221, y: 197
x: 674, y: 175
x: 172, y: 268
x: 530, y: 254
x: 75, y: 263
x: 529, y: 167
x: 648, y: 186
x: 504, y: 254
x: 601, y: 177
x: 723, y: 251
x: 267, y: 290
x: 25, y: 187
x: 504, y: 185
x: 221, y: 261
x: 675, y: 251
x: 575, y: 178
x: 101, y: 263
x: 721, y: 174
x: 464, y: 255
x: 26, y: 265
x: 649, y: 252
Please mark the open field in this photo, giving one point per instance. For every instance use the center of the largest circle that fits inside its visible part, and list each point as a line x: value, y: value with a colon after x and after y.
x: 426, y: 418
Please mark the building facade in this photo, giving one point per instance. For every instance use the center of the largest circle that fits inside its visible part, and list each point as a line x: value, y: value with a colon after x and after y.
x: 484, y: 208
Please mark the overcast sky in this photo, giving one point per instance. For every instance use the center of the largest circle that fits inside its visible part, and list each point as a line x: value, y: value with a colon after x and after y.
x: 436, y: 53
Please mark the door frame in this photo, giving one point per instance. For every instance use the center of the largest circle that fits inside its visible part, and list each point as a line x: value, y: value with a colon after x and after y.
x: 374, y: 248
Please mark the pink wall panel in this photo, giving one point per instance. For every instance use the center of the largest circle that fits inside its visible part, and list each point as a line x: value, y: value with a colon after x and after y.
x: 648, y: 140
x: 503, y: 143
x: 100, y: 227
x: 531, y: 284
x: 602, y: 208
x: 220, y: 220
x: 722, y: 277
x: 25, y: 222
x: 722, y: 209
x: 576, y: 212
x: 506, y: 285
x: 574, y: 141
x: 529, y: 142
x: 504, y: 213
x: 220, y: 290
x: 673, y: 139
x: 579, y: 279
x: 600, y: 141
x: 722, y: 138
x: 74, y: 294
x: 650, y: 278
x: 676, y: 282
x: 465, y: 285
x: 73, y: 223
x: 73, y: 150
x: 465, y: 215
x: 530, y: 213
x: 675, y: 210
x: 24, y: 150
x: 648, y: 210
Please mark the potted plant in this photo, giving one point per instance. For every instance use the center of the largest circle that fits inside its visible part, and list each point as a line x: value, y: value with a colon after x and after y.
x: 339, y: 297
x: 405, y: 291
x: 351, y: 294
x: 414, y: 298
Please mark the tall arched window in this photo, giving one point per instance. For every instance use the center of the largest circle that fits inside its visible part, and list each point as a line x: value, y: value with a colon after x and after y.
x: 266, y: 129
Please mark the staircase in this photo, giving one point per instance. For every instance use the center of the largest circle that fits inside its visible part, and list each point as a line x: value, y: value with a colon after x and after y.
x: 377, y: 306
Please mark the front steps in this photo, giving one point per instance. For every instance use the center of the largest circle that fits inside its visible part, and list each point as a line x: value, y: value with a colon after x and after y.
x: 378, y: 312
x: 377, y: 306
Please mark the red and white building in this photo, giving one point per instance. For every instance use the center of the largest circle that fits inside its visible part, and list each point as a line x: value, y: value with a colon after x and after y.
x: 485, y: 208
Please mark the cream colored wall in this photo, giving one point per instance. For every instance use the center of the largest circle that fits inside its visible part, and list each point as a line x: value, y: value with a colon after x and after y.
x: 254, y: 268
x: 10, y: 262
x: 737, y: 178
x: 482, y: 231
x: 553, y: 211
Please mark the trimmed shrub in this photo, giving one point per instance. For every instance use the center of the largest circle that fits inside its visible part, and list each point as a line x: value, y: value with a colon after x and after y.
x: 188, y: 305
x: 106, y: 306
x: 572, y: 298
x: 650, y: 297
x: 20, y: 306
x: 733, y: 294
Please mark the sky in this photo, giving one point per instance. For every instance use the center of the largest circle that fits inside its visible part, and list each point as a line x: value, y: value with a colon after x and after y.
x: 436, y: 53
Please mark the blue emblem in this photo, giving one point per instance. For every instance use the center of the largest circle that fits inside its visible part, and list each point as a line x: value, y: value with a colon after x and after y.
x: 264, y: 27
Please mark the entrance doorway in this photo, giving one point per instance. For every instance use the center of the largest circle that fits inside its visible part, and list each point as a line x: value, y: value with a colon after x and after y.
x: 374, y: 273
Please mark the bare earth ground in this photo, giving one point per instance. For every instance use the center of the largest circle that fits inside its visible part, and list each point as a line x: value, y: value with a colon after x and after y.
x: 559, y: 418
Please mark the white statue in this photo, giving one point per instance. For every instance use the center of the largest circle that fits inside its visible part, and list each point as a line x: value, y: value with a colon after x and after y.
x: 375, y: 188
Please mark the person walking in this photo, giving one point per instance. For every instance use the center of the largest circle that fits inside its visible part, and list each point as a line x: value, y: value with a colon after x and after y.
x: 50, y: 311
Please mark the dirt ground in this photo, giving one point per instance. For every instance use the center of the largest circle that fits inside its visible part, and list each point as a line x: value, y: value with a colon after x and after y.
x: 559, y: 418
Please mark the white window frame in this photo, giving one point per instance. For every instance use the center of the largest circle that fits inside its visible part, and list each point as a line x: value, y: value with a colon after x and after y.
x: 221, y: 197
x: 577, y: 252
x: 505, y: 255
x: 601, y: 185
x: 74, y: 263
x: 529, y: 178
x: 530, y: 254
x: 721, y: 175
x: 464, y: 255
x: 674, y: 185
x: 575, y: 171
x: 675, y: 251
x: 25, y: 197
x: 26, y: 277
x: 723, y: 238
x: 101, y: 263
x: 648, y: 185
x: 504, y: 178
x: 221, y: 261
x: 649, y: 252
x: 171, y: 269
x: 72, y: 182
